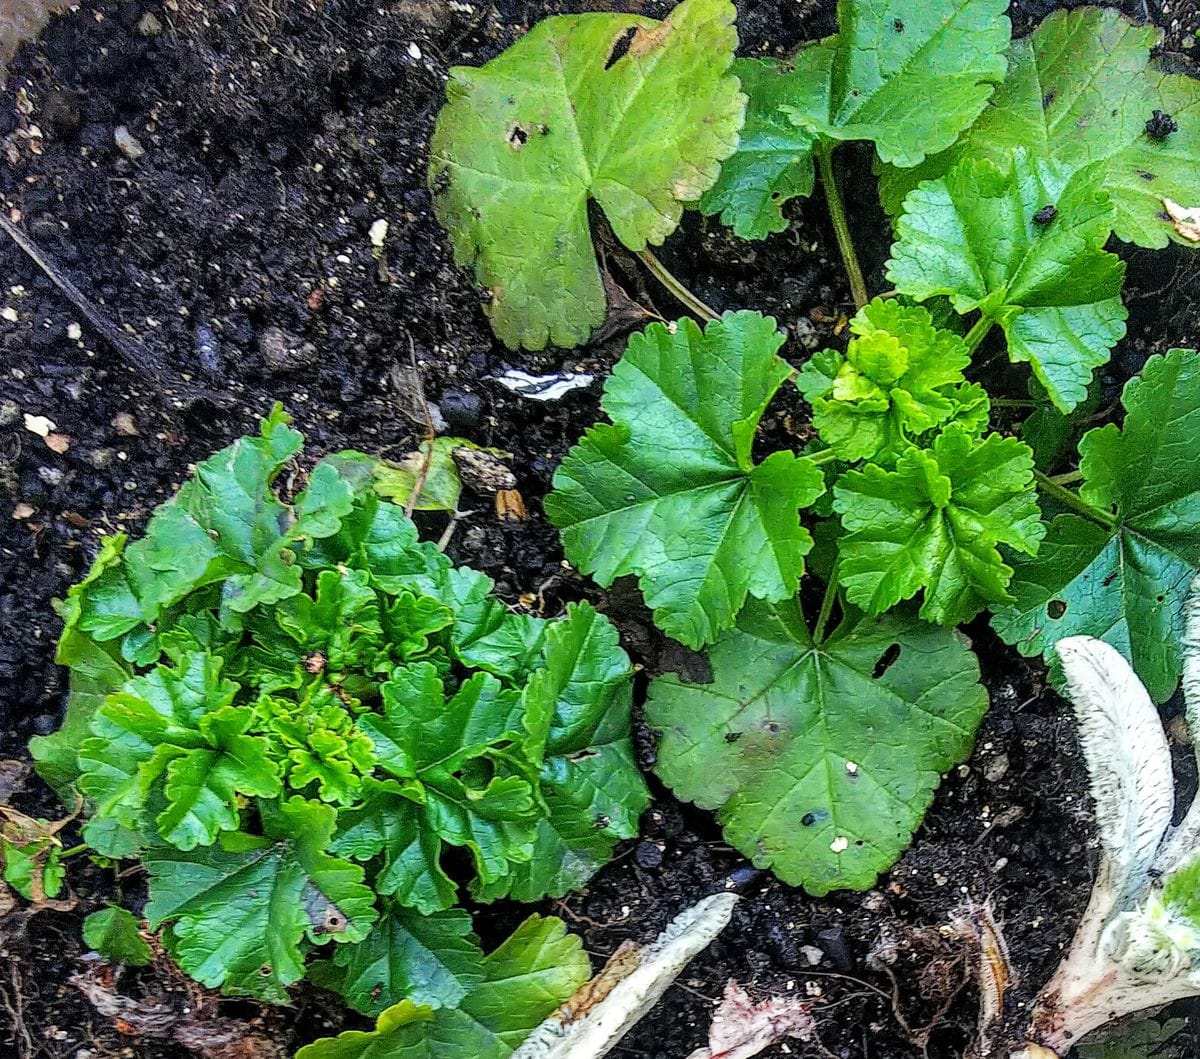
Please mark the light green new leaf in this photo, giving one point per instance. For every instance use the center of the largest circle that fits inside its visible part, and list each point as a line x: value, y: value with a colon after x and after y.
x: 563, y: 117
x: 174, y: 731
x: 909, y: 82
x: 1081, y: 89
x: 525, y: 979
x: 669, y: 491
x: 1125, y: 583
x: 975, y: 235
x: 934, y: 523
x: 239, y: 913
x: 434, y: 467
x: 900, y: 377
x: 428, y: 959
x: 34, y: 869
x: 579, y: 705
x: 113, y: 932
x: 821, y: 758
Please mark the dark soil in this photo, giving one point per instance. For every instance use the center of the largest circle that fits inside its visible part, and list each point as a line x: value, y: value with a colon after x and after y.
x: 234, y: 257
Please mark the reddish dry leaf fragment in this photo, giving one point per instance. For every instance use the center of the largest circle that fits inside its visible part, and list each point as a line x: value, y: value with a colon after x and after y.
x: 23, y: 510
x: 741, y: 1028
x: 58, y: 443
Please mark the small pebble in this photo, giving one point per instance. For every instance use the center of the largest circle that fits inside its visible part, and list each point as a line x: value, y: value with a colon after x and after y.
x: 127, y: 143
x: 462, y: 411
x: 648, y: 855
x: 378, y: 233
x: 52, y: 476
x: 10, y: 412
x: 9, y: 314
x: 57, y: 443
x: 124, y: 425
x: 23, y: 510
x: 74, y: 331
x: 39, y: 425
x: 149, y: 26
x: 283, y: 351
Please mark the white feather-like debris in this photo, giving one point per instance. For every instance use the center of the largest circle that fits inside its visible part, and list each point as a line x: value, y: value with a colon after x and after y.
x: 590, y: 1024
x: 544, y: 387
x: 1128, y: 760
x: 1133, y: 949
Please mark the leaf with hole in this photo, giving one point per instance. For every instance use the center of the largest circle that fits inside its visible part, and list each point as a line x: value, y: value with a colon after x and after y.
x: 1084, y: 90
x: 821, y: 758
x: 1048, y: 282
x: 1120, y: 574
x: 621, y: 110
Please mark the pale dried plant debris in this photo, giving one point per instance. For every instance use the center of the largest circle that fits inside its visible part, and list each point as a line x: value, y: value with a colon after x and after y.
x: 1138, y: 944
x: 742, y: 1028
x: 1185, y: 218
x: 592, y: 1022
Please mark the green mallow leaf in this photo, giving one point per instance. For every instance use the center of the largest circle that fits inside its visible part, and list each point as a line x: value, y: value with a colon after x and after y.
x: 578, y: 706
x: 774, y: 157
x: 935, y: 522
x: 1083, y: 90
x: 631, y: 113
x: 524, y: 980
x: 227, y: 526
x: 1120, y: 574
x: 1148, y: 1039
x: 669, y: 491
x: 1048, y: 282
x: 432, y: 960
x: 241, y: 912
x: 821, y: 758
x: 909, y: 83
x: 900, y: 378
x: 174, y: 732
x: 113, y: 932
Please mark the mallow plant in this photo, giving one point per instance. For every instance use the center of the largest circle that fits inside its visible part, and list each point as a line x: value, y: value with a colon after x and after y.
x: 827, y: 573
x: 317, y: 735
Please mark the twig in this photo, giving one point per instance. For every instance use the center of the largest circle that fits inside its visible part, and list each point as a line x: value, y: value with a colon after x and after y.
x: 430, y: 434
x: 133, y: 353
x: 17, y: 1013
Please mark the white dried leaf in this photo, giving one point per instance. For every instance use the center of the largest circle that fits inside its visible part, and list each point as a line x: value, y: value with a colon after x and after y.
x: 590, y: 1024
x: 1185, y: 218
x: 543, y: 387
x: 1128, y: 760
x: 741, y: 1028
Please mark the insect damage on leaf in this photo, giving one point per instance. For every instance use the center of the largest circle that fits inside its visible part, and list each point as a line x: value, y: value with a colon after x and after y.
x: 1118, y: 572
x: 1086, y: 90
x: 833, y: 766
x: 564, y: 117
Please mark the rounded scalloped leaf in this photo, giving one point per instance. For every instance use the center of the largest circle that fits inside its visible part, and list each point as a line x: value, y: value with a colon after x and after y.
x: 821, y: 758
x: 629, y: 112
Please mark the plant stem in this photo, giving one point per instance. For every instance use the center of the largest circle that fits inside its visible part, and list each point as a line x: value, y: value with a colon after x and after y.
x: 837, y: 214
x: 83, y: 847
x: 681, y: 293
x: 1013, y: 402
x: 1067, y: 478
x: 974, y: 338
x: 1072, y: 500
x: 826, y: 605
x: 821, y: 456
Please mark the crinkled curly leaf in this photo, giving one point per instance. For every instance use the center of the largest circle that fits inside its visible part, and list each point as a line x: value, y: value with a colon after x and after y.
x: 538, y: 968
x: 821, y: 758
x: 563, y: 117
x: 239, y: 914
x: 975, y: 235
x: 174, y: 732
x: 428, y: 959
x: 669, y: 491
x: 1124, y: 583
x: 900, y: 378
x: 583, y: 697
x: 935, y: 523
x: 1081, y: 89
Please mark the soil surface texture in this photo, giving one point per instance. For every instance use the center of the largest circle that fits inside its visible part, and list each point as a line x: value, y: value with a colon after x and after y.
x: 207, y: 173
